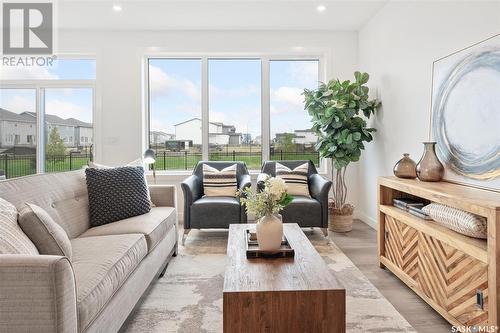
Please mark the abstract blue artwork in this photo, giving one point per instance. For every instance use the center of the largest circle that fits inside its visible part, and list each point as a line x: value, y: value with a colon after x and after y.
x: 465, y: 116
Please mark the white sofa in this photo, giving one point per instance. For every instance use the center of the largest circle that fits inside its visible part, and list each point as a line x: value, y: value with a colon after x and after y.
x: 111, y: 265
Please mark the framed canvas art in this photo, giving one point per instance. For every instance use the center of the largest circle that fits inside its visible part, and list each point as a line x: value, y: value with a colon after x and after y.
x: 465, y: 114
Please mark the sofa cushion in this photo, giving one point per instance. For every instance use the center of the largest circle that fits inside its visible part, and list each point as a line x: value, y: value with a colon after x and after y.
x: 48, y: 236
x: 62, y: 195
x: 116, y: 194
x: 101, y: 265
x: 215, y: 212
x: 12, y: 239
x: 303, y: 209
x: 153, y: 225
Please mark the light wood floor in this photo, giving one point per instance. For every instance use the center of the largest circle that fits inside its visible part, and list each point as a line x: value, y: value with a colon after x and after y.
x: 360, y: 245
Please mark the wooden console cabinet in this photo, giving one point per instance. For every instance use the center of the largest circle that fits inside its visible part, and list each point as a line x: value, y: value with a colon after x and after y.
x: 455, y: 274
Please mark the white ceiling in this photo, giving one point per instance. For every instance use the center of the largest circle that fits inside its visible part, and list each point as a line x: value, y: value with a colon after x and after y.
x: 215, y: 14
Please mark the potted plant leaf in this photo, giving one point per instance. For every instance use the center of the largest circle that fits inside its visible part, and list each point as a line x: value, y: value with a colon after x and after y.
x: 339, y: 111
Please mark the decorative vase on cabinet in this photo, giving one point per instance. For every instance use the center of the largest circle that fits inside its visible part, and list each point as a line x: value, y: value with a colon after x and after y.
x: 429, y: 168
x: 405, y: 167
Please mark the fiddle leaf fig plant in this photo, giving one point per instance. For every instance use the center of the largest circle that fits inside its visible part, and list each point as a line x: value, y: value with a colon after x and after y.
x: 338, y: 112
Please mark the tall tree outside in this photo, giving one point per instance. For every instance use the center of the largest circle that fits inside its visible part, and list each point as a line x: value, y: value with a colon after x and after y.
x: 55, y: 146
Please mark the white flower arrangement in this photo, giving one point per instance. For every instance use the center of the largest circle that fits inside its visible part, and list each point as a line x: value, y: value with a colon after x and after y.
x: 271, y: 200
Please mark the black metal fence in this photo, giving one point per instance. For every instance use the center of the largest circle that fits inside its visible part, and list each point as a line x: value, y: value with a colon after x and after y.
x: 21, y: 165
x: 186, y: 161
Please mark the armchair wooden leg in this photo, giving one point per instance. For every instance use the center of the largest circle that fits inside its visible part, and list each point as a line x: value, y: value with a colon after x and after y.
x: 325, y: 231
x: 184, y: 236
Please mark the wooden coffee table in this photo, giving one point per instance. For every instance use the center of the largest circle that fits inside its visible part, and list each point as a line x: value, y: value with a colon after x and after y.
x: 280, y: 295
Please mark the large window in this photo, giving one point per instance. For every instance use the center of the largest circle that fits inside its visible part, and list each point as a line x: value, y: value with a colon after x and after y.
x: 68, y: 130
x: 291, y: 134
x: 18, y: 132
x: 232, y: 109
x: 47, y: 125
x: 175, y: 112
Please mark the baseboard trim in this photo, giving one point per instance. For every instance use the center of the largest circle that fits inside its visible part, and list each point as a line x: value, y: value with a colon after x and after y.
x: 365, y: 218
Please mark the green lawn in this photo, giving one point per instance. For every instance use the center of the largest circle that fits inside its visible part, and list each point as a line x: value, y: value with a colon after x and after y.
x: 16, y: 166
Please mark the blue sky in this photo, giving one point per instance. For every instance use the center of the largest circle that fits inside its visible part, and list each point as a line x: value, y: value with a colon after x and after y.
x: 65, y: 103
x: 234, y: 93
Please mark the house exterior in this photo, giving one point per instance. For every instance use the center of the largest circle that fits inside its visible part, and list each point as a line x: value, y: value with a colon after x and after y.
x: 219, y: 133
x: 159, y: 137
x: 19, y: 130
x: 305, y: 137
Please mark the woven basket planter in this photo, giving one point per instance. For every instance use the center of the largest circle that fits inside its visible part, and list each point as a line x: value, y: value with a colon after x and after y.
x: 340, y: 220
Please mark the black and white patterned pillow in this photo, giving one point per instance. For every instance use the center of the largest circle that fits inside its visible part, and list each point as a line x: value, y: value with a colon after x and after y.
x: 220, y: 183
x: 296, y: 180
x: 116, y: 194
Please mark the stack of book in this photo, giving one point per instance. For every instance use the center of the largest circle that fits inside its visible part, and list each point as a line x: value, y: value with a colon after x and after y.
x: 412, y: 206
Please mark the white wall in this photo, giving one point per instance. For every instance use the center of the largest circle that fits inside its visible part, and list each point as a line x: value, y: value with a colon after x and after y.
x: 397, y: 47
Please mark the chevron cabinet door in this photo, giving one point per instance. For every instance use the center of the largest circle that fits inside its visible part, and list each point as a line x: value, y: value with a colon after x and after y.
x: 401, y: 246
x: 454, y: 280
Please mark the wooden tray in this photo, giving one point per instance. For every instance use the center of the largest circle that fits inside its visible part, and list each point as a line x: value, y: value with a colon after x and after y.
x: 253, y: 251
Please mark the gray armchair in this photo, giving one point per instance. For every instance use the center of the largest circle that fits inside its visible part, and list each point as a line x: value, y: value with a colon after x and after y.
x: 212, y: 212
x: 306, y: 212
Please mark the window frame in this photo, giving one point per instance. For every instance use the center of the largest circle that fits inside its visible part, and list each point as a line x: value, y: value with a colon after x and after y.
x: 265, y: 94
x: 39, y: 86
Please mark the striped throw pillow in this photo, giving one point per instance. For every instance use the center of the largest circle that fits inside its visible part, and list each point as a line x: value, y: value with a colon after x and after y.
x: 12, y: 239
x: 296, y: 180
x: 219, y: 183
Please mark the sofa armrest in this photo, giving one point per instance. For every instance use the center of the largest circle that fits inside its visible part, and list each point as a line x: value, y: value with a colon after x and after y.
x: 190, y: 186
x: 319, y: 187
x: 191, y: 189
x: 245, y: 181
x: 37, y: 294
x: 163, y: 195
x: 261, y: 178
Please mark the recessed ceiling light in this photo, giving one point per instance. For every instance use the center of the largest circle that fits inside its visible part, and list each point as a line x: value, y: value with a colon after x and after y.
x: 117, y: 8
x: 321, y: 8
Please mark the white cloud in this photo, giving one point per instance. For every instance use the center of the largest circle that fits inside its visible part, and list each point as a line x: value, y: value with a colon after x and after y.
x: 217, y: 117
x: 66, y: 110
x: 305, y: 72
x: 18, y: 104
x: 164, y: 84
x: 158, y: 125
x: 289, y: 95
x: 247, y: 90
x: 26, y: 73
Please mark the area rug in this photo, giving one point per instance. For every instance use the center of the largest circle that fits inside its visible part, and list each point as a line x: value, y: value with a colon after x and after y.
x: 189, y: 297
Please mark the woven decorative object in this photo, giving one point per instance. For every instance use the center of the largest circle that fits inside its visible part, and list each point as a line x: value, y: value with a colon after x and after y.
x: 116, y: 194
x: 457, y: 220
x: 338, y: 222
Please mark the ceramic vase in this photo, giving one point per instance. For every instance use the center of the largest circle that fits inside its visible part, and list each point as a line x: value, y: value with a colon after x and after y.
x: 405, y: 167
x: 269, y: 232
x: 429, y: 168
